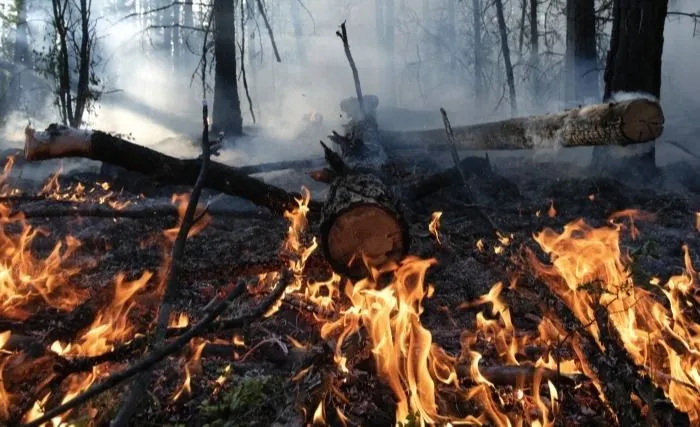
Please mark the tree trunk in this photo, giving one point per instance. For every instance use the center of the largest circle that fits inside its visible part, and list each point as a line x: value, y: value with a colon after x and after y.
x: 534, y: 53
x: 503, y: 31
x: 389, y: 79
x: 22, y: 54
x: 624, y: 123
x: 634, y: 65
x: 362, y: 223
x: 298, y: 33
x: 478, y: 52
x: 227, y: 106
x: 581, y: 56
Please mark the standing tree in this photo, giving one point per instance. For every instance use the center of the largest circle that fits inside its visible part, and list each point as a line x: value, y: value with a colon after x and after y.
x: 581, y: 62
x: 534, y: 61
x: 227, y: 116
x: 70, y: 59
x: 505, y: 50
x: 478, y: 51
x: 634, y: 63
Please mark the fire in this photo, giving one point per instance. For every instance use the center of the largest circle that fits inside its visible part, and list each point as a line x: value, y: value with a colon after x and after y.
x: 697, y: 221
x: 191, y: 364
x: 179, y: 321
x: 111, y: 325
x: 659, y: 335
x: 5, y: 189
x: 78, y: 193
x: 25, y: 279
x: 434, y: 226
x: 201, y: 217
x: 551, y: 212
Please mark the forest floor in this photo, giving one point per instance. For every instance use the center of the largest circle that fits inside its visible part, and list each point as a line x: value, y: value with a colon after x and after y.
x: 255, y: 377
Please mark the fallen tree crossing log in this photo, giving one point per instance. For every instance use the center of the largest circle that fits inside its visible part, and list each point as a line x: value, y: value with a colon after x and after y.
x: 617, y: 123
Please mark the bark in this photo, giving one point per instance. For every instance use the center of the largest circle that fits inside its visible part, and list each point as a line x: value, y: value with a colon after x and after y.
x: 362, y: 222
x: 227, y: 105
x: 624, y: 123
x: 59, y: 141
x: 581, y: 56
x: 478, y: 51
x: 534, y: 52
x: 634, y: 65
x: 636, y: 47
x: 503, y: 31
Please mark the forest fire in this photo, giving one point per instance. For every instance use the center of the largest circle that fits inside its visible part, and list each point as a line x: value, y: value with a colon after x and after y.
x: 489, y: 381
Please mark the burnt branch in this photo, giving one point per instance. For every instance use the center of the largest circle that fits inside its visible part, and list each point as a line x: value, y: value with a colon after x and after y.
x: 138, y: 391
x: 145, y: 363
x: 343, y: 34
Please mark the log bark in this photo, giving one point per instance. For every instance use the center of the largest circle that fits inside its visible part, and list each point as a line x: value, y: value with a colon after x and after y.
x: 60, y: 141
x: 622, y: 123
x: 362, y: 224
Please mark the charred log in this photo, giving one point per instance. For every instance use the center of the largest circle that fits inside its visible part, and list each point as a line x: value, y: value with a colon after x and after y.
x: 60, y: 141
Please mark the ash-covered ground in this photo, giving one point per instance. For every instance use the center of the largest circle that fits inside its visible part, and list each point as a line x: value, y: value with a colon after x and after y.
x: 242, y: 241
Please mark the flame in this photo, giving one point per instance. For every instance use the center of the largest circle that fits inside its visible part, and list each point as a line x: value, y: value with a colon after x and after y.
x: 551, y: 212
x: 179, y: 321
x: 5, y: 189
x: 25, y: 279
x: 434, y: 226
x: 193, y: 362
x: 111, y: 325
x: 661, y: 338
x: 52, y: 189
x: 201, y: 217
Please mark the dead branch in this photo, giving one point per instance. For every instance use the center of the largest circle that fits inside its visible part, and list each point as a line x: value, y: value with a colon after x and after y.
x: 59, y: 141
x: 138, y: 391
x: 73, y: 209
x: 145, y: 363
x: 241, y: 45
x: 285, y: 164
x: 343, y: 34
x: 261, y: 9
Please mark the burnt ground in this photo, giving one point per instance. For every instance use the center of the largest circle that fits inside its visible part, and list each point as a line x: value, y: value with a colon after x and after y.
x: 244, y: 242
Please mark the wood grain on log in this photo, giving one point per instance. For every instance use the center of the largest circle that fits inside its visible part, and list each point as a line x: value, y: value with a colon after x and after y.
x: 60, y: 141
x: 622, y: 123
x: 361, y: 224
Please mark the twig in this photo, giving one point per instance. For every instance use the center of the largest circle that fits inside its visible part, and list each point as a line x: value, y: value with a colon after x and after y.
x: 453, y: 152
x: 343, y: 34
x: 146, y: 363
x: 458, y: 166
x: 243, y: 73
x: 269, y: 31
x: 138, y: 391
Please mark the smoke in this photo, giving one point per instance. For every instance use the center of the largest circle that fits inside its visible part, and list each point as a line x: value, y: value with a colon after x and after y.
x: 153, y: 98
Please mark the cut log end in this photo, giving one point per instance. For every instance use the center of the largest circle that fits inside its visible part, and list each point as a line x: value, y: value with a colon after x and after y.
x: 361, y: 227
x: 56, y: 141
x: 642, y: 120
x: 364, y: 235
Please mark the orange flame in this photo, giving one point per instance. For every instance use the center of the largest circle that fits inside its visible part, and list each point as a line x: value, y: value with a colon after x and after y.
x: 665, y: 341
x: 434, y: 226
x: 25, y: 279
x: 111, y: 325
x: 551, y: 212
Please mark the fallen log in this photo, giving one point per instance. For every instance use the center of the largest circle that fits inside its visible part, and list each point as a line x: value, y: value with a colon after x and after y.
x: 616, y: 123
x: 61, y: 141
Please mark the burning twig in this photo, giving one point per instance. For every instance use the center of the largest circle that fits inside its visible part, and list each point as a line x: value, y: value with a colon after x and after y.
x: 144, y: 364
x: 343, y: 34
x: 171, y: 288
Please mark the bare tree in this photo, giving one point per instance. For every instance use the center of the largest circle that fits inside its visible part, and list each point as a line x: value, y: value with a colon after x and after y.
x: 505, y: 50
x: 534, y: 51
x: 478, y: 51
x: 70, y: 60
